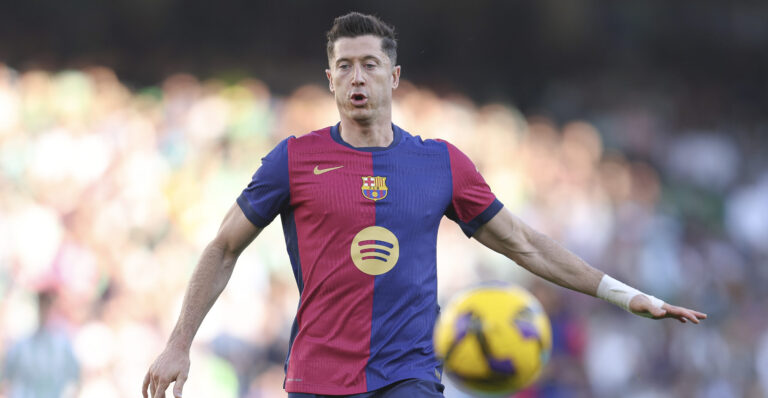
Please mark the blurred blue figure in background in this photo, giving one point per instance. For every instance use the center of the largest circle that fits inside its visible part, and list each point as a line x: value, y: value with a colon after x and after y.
x: 43, y: 364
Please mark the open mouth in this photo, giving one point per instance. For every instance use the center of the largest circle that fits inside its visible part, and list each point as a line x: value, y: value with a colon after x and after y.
x: 358, y: 99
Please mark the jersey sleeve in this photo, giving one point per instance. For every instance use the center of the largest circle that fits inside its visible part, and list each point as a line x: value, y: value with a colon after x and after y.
x: 268, y: 193
x: 472, y: 202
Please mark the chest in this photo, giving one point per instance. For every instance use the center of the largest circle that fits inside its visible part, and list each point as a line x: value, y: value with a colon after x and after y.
x: 406, y: 185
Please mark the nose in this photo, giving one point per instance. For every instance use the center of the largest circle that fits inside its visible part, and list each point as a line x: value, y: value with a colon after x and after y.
x: 357, y: 76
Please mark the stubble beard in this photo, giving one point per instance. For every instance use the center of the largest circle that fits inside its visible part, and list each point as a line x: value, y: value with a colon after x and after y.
x: 364, y: 116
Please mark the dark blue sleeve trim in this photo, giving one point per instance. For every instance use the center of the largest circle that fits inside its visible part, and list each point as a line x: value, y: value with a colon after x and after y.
x: 482, y: 218
x: 251, y: 214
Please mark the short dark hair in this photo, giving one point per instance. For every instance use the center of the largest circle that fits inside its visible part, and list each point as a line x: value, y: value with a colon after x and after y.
x: 355, y: 24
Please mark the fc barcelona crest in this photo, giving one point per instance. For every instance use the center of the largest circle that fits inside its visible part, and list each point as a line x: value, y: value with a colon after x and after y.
x: 375, y: 188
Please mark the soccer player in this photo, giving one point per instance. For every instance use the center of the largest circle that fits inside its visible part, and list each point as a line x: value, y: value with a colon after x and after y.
x: 360, y: 203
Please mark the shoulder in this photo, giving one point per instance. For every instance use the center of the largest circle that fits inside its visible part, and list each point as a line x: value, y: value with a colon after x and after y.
x: 441, y: 146
x: 316, y: 140
x: 312, y: 136
x: 293, y: 143
x: 437, y: 146
x: 448, y: 145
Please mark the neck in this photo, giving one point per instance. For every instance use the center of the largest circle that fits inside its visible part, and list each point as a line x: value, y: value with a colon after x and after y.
x: 375, y: 134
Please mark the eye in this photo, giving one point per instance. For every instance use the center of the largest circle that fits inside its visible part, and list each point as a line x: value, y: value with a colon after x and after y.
x: 370, y: 65
x: 343, y: 66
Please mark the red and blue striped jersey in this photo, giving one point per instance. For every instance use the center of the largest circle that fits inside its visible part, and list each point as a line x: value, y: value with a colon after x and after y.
x: 360, y: 227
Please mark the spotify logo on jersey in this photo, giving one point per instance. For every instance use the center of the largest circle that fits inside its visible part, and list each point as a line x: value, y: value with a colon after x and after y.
x: 375, y: 250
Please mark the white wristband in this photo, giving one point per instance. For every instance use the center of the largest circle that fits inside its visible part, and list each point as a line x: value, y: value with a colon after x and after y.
x: 620, y: 294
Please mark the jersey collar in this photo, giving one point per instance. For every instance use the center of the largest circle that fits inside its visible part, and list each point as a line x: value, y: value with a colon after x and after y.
x: 398, y: 136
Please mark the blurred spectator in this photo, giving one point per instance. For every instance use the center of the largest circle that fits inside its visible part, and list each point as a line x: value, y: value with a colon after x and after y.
x: 43, y: 364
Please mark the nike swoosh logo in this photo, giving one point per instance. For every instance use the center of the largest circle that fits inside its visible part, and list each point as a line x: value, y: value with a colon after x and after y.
x: 321, y: 171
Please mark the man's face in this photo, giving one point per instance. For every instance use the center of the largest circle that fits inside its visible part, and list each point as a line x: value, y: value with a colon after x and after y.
x: 362, y: 77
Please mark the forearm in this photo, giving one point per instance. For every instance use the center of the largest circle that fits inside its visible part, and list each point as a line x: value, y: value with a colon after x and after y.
x: 538, y: 253
x: 208, y: 281
x: 546, y: 258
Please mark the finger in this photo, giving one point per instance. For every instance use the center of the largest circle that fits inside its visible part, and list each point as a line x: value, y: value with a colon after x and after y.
x: 690, y: 317
x: 690, y: 312
x: 179, y: 385
x: 693, y: 317
x: 677, y: 312
x: 153, y: 386
x: 697, y: 314
x: 144, y: 385
x: 160, y: 390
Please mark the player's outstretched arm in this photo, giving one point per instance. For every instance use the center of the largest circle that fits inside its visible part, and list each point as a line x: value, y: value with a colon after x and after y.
x: 544, y: 257
x: 208, y: 280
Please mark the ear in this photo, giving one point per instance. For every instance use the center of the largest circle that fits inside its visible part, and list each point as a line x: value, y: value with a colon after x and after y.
x: 395, y: 76
x: 330, y: 79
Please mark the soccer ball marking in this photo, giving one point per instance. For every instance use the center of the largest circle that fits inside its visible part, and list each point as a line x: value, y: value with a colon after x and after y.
x: 493, y: 340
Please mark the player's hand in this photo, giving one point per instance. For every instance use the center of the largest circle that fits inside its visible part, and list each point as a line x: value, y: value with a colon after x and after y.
x: 641, y: 305
x: 172, y: 366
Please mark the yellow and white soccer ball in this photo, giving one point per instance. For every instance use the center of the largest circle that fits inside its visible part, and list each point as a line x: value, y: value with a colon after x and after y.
x: 493, y: 340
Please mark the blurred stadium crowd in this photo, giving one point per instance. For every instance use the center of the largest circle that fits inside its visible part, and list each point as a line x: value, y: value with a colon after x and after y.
x: 108, y: 196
